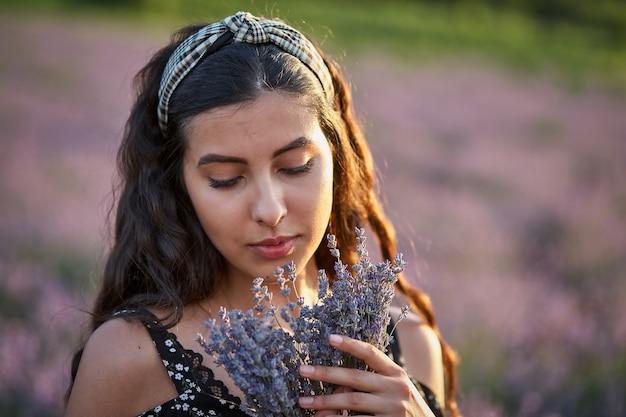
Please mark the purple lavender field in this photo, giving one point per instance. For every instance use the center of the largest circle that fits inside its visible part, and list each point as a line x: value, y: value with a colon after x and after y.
x: 508, y: 192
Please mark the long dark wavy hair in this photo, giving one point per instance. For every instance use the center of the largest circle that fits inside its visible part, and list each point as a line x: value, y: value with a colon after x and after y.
x: 161, y: 256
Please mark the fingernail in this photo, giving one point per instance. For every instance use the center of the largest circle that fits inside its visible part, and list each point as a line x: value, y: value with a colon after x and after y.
x: 306, y: 370
x: 305, y: 401
x: 335, y: 339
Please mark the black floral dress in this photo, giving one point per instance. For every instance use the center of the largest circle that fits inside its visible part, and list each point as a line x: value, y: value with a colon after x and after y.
x: 200, y: 394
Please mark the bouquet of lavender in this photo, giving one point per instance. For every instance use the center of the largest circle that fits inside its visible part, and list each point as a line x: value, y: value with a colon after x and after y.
x: 262, y: 356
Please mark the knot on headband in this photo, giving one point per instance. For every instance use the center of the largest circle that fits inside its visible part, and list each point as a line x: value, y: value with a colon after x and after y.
x: 248, y: 29
x: 239, y: 28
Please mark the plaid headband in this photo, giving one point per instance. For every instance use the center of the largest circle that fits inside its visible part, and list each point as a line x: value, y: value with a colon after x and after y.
x: 240, y: 28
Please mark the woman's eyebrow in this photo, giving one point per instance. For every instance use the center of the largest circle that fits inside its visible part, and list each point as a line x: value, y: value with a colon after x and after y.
x: 298, y: 143
x: 213, y: 157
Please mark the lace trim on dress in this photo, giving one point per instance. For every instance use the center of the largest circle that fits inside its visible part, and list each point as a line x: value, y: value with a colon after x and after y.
x: 203, y: 375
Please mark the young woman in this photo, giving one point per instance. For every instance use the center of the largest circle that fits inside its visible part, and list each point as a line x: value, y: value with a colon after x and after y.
x: 240, y: 154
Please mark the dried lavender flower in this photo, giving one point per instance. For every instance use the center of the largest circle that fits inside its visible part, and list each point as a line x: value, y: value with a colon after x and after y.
x: 262, y: 358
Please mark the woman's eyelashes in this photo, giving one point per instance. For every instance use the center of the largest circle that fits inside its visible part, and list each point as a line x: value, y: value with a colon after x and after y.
x: 299, y: 169
x: 223, y: 183
x: 292, y: 171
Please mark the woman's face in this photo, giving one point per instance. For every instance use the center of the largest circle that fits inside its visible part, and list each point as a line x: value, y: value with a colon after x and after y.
x: 260, y: 177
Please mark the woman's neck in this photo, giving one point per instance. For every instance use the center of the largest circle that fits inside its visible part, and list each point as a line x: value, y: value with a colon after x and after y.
x: 237, y: 293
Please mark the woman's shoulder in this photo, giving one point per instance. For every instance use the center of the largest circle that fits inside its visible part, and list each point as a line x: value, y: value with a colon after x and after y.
x: 115, y: 362
x: 123, y: 342
x: 416, y: 336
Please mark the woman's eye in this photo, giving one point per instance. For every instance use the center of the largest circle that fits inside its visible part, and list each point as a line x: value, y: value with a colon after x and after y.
x: 223, y: 183
x: 299, y: 169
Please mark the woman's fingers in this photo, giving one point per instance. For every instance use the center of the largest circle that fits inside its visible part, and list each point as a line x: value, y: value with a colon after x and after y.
x: 386, y: 391
x: 354, y: 401
x: 378, y: 361
x: 330, y: 412
x: 367, y: 404
x: 353, y: 378
x: 386, y: 373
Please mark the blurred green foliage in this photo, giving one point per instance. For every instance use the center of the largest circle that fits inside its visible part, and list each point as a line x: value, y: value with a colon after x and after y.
x: 75, y: 269
x: 576, y: 39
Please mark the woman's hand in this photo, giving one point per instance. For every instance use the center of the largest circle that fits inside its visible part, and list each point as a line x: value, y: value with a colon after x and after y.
x: 386, y: 391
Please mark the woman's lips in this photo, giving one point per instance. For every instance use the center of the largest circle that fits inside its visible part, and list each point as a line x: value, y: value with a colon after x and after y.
x: 274, y: 248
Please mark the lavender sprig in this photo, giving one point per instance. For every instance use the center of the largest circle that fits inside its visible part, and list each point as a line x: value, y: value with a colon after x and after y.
x: 263, y: 358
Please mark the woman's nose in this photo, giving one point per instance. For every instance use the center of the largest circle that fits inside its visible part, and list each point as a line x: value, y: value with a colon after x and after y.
x: 269, y: 206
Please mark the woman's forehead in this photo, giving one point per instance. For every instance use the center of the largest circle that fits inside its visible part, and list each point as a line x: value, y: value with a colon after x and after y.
x: 268, y: 122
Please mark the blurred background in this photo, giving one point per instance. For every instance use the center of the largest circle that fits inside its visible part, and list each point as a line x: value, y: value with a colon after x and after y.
x: 499, y: 130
